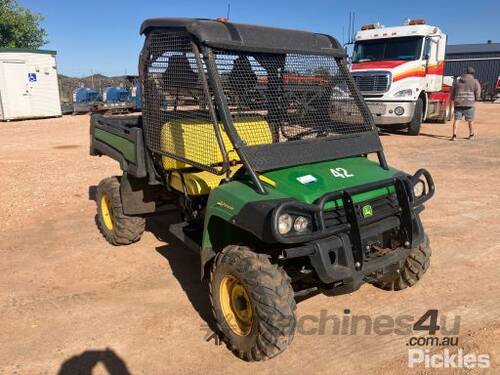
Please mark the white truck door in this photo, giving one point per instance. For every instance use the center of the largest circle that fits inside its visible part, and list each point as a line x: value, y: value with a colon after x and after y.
x: 16, y: 95
x: 434, y: 51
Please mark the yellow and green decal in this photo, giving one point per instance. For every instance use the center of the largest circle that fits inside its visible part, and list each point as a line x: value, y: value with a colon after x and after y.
x: 367, y: 211
x: 224, y: 205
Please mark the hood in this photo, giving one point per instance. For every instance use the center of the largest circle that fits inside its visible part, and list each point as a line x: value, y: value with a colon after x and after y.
x: 307, y: 183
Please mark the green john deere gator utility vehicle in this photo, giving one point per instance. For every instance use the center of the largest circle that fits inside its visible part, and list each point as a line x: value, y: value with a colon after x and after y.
x: 259, y: 138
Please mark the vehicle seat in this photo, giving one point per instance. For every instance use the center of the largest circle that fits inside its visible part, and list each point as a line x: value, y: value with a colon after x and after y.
x: 183, y: 138
x: 179, y: 74
x: 199, y: 182
x: 242, y: 80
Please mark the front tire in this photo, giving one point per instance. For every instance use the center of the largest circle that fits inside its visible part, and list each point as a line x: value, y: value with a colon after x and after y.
x: 116, y: 227
x: 418, y: 116
x: 416, y: 265
x: 253, y: 304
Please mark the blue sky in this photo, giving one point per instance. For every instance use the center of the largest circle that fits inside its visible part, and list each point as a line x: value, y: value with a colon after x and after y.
x: 102, y: 36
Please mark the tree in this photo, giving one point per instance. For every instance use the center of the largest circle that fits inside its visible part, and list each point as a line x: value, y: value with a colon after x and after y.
x: 19, y: 27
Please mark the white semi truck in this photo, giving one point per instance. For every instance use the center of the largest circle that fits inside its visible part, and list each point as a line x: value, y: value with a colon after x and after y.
x: 400, y: 73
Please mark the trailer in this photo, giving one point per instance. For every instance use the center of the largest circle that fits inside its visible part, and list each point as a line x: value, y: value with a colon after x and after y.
x: 136, y: 95
x: 29, y: 86
x: 115, y: 100
x: 85, y: 99
x: 135, y: 92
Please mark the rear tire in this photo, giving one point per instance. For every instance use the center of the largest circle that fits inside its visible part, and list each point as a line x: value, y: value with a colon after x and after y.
x: 116, y: 227
x: 416, y: 265
x: 253, y: 304
x: 418, y: 116
x: 446, y: 114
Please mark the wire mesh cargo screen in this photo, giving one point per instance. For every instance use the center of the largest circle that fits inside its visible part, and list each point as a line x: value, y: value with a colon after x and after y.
x: 211, y: 108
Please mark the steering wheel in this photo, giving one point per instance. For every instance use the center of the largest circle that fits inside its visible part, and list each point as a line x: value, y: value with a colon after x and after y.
x: 296, y: 137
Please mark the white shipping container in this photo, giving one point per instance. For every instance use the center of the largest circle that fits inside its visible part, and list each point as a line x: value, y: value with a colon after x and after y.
x: 29, y: 86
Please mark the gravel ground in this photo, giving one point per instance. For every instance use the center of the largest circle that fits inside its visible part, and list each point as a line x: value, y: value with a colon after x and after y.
x: 69, y: 300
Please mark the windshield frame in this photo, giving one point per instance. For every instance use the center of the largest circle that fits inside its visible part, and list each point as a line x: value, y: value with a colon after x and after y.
x: 259, y: 158
x: 418, y: 48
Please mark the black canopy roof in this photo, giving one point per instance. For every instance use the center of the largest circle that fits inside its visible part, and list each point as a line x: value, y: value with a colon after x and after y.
x: 250, y: 38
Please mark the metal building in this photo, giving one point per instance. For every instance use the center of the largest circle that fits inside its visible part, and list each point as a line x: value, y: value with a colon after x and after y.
x: 29, y: 86
x: 483, y: 57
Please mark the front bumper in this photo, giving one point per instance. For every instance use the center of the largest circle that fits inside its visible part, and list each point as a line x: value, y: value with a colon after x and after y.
x: 384, y: 113
x: 333, y: 258
x: 342, y: 255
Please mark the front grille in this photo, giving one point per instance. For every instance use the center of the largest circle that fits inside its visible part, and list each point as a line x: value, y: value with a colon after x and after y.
x: 372, y: 83
x: 381, y: 207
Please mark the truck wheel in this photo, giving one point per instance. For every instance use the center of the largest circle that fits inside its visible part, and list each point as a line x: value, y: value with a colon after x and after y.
x: 116, y: 227
x: 443, y: 116
x: 446, y: 114
x: 253, y: 304
x: 418, y: 116
x: 416, y: 264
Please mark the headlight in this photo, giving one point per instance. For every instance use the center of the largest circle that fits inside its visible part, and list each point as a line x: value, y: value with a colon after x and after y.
x: 285, y: 223
x: 406, y: 92
x: 419, y: 189
x: 300, y: 224
x: 399, y: 110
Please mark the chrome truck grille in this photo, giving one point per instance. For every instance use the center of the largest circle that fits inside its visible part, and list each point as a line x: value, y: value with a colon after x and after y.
x: 372, y: 83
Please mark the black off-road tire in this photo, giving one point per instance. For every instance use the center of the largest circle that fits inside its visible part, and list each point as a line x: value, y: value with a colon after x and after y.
x: 418, y: 116
x: 415, y: 266
x: 272, y: 301
x: 126, y: 229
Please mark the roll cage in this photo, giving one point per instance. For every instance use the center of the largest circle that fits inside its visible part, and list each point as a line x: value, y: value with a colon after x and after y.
x: 185, y: 59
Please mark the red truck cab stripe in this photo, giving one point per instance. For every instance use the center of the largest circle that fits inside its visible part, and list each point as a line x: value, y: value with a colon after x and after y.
x: 389, y: 64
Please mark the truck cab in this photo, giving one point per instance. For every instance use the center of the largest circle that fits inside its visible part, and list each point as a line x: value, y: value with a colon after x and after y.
x: 399, y: 71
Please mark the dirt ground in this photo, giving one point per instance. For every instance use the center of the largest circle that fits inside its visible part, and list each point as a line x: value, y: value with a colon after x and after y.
x: 69, y: 300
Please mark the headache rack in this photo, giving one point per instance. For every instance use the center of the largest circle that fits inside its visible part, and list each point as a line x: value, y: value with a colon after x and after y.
x: 268, y: 98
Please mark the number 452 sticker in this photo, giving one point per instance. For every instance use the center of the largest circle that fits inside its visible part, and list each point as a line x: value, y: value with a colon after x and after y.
x: 340, y: 173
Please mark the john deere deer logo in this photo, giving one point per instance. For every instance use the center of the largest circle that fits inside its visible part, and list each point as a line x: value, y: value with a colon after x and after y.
x: 367, y: 211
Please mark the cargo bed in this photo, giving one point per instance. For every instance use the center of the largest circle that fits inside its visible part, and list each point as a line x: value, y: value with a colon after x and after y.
x: 120, y: 138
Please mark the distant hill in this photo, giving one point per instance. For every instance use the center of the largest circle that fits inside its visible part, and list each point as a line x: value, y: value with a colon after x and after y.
x: 97, y: 81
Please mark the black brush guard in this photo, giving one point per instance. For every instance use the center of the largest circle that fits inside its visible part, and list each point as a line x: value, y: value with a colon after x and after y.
x: 405, y: 209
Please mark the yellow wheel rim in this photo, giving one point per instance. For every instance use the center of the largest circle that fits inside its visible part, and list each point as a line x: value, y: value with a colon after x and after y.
x: 106, y: 211
x: 236, y: 305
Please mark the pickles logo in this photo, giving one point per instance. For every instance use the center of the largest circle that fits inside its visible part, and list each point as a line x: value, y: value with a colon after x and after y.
x: 367, y: 211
